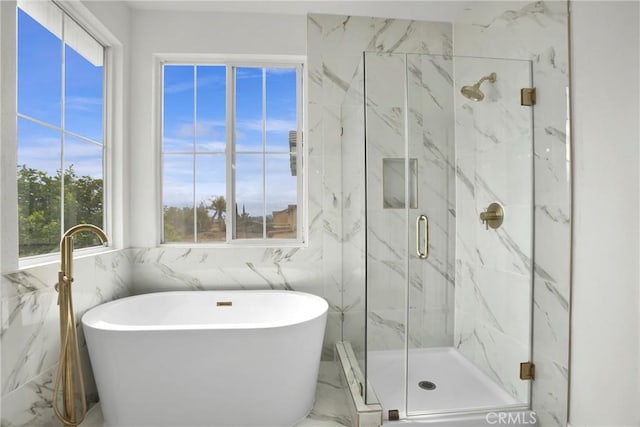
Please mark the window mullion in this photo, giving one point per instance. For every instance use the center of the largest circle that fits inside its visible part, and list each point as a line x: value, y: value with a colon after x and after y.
x: 264, y: 150
x: 299, y: 157
x: 230, y: 150
x: 195, y: 133
x: 62, y: 136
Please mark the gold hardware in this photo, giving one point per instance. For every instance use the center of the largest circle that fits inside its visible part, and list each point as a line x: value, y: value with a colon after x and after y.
x: 528, y: 96
x: 69, y: 353
x: 493, y: 216
x: 527, y: 371
x: 224, y: 303
x: 473, y: 92
x: 394, y: 415
x: 425, y: 254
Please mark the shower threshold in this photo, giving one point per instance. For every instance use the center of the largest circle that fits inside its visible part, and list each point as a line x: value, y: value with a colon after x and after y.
x: 441, y: 384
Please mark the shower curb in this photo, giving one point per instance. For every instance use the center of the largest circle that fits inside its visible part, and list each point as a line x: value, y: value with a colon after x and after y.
x: 361, y: 414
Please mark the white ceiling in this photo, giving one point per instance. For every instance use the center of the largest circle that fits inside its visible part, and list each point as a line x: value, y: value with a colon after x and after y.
x: 417, y: 10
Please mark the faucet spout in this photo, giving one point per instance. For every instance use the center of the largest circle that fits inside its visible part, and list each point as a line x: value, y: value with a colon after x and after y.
x: 66, y: 247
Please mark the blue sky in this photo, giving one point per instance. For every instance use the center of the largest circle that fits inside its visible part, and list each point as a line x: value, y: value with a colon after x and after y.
x: 206, y: 128
x: 40, y: 94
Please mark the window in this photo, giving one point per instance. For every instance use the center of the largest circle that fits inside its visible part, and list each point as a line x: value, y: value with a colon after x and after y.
x: 60, y: 119
x: 230, y: 153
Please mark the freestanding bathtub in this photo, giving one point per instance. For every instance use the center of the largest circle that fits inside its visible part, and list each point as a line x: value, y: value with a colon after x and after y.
x: 207, y: 358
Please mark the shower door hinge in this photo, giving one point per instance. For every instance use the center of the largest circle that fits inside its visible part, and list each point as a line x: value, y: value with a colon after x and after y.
x: 528, y: 96
x: 527, y: 371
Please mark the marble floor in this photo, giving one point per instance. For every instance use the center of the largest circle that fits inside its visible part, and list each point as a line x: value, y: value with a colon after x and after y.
x: 330, y: 409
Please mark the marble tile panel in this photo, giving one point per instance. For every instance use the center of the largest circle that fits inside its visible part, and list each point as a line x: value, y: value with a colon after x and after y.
x: 552, y: 165
x: 338, y: 70
x: 353, y: 326
x: 508, y: 248
x: 550, y: 322
x: 438, y: 328
x: 386, y: 288
x: 332, y: 141
x: 30, y: 405
x: 314, y: 62
x: 506, y: 30
x: 386, y: 329
x: 550, y: 392
x: 552, y: 220
x: 496, y: 354
x: 332, y: 271
x: 30, y: 337
x: 503, y: 300
x: 29, y: 280
x: 387, y: 234
x: 332, y: 334
x: 385, y: 79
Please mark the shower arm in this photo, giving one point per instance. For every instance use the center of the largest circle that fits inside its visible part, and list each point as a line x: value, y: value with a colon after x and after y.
x: 491, y: 77
x: 69, y: 360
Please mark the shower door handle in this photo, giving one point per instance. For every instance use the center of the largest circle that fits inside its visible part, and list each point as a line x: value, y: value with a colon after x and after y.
x: 425, y: 220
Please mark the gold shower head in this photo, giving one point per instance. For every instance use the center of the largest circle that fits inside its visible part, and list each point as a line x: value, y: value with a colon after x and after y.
x: 473, y: 92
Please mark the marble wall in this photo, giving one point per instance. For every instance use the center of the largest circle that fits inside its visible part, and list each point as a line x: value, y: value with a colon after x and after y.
x: 492, y: 266
x: 328, y: 265
x: 304, y: 269
x: 30, y: 331
x: 335, y: 45
x: 537, y: 31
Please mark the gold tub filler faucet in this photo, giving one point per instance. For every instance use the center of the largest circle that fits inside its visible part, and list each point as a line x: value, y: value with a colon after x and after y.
x: 69, y: 369
x: 493, y: 216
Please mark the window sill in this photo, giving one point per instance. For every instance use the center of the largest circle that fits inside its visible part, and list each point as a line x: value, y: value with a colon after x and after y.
x: 259, y: 244
x: 54, y: 258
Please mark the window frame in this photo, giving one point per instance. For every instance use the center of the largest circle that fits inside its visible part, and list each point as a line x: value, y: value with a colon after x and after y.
x: 231, y: 62
x: 113, y: 95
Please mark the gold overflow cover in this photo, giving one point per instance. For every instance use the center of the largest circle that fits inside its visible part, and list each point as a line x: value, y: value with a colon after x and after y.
x: 224, y: 303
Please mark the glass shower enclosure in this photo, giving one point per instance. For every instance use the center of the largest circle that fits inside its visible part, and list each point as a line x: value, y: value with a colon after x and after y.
x: 438, y: 169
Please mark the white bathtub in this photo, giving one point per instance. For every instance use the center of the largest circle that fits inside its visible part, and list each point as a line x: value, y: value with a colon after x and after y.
x: 184, y: 359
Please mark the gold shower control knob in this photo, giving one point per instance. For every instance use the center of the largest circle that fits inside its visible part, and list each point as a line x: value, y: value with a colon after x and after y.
x: 493, y: 216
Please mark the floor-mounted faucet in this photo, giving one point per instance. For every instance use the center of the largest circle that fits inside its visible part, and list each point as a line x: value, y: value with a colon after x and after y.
x: 69, y: 362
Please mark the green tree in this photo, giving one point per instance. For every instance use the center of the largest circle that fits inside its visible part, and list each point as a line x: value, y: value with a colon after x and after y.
x: 219, y: 205
x: 39, y: 205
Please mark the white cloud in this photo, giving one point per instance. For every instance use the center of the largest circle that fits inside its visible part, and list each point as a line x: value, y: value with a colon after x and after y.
x: 272, y: 125
x: 280, y: 71
x: 178, y: 87
x: 214, y: 146
x: 83, y: 103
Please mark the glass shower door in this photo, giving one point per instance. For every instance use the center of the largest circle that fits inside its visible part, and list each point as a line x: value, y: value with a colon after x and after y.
x: 388, y: 195
x: 430, y: 320
x: 448, y: 298
x: 469, y: 305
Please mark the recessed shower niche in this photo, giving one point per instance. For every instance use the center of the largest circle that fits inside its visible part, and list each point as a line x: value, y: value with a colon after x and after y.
x: 394, y: 183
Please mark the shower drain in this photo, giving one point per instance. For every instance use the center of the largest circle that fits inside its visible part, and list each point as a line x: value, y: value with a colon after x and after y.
x: 426, y: 385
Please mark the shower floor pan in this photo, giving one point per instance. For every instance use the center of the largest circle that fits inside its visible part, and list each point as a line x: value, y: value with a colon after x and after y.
x: 459, y: 385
